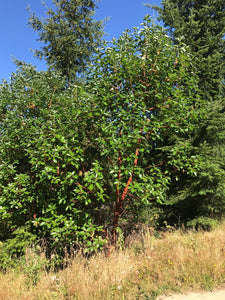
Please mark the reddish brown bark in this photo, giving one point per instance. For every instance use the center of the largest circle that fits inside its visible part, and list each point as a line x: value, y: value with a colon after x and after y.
x: 119, y: 177
x: 120, y: 200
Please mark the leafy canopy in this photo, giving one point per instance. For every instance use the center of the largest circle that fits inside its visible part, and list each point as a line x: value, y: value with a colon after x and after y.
x: 76, y: 163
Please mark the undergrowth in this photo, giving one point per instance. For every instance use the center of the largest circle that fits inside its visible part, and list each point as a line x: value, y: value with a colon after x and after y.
x: 141, y: 268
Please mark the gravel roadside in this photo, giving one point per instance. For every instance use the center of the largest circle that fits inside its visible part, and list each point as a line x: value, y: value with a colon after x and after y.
x: 216, y: 295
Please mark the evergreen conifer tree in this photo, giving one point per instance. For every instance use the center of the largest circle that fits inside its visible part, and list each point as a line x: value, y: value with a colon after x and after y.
x: 70, y: 35
x: 200, y: 24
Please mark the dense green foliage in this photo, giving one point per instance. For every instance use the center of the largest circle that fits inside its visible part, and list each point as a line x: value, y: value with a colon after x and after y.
x: 140, y: 139
x: 70, y: 35
x: 41, y: 156
x: 201, y: 26
x: 76, y: 163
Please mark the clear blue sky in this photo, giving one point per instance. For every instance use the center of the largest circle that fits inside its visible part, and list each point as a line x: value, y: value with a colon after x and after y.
x: 17, y: 39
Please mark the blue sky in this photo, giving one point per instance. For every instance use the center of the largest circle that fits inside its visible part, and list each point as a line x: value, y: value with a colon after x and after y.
x: 17, y: 39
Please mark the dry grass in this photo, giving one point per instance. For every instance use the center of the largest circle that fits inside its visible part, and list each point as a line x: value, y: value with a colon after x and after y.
x: 175, y: 262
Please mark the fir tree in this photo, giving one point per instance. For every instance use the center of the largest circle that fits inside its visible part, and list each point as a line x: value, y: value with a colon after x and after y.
x: 70, y: 35
x: 200, y: 24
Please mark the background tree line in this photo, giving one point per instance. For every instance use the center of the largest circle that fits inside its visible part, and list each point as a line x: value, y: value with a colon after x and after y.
x: 114, y: 136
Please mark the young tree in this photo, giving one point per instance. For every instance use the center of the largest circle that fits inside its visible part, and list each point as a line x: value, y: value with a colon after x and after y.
x: 70, y: 35
x: 201, y: 26
x: 79, y: 160
x: 144, y: 94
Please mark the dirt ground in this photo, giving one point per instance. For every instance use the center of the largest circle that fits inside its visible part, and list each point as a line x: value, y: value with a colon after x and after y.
x: 217, y: 295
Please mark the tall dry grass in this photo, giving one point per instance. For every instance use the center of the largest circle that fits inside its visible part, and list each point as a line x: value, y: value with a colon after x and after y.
x: 148, y: 267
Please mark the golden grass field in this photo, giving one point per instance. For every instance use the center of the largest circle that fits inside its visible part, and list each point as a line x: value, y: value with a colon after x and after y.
x: 174, y: 262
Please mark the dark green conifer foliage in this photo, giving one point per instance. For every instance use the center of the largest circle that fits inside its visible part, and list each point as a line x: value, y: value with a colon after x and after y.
x: 70, y: 35
x: 201, y: 25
